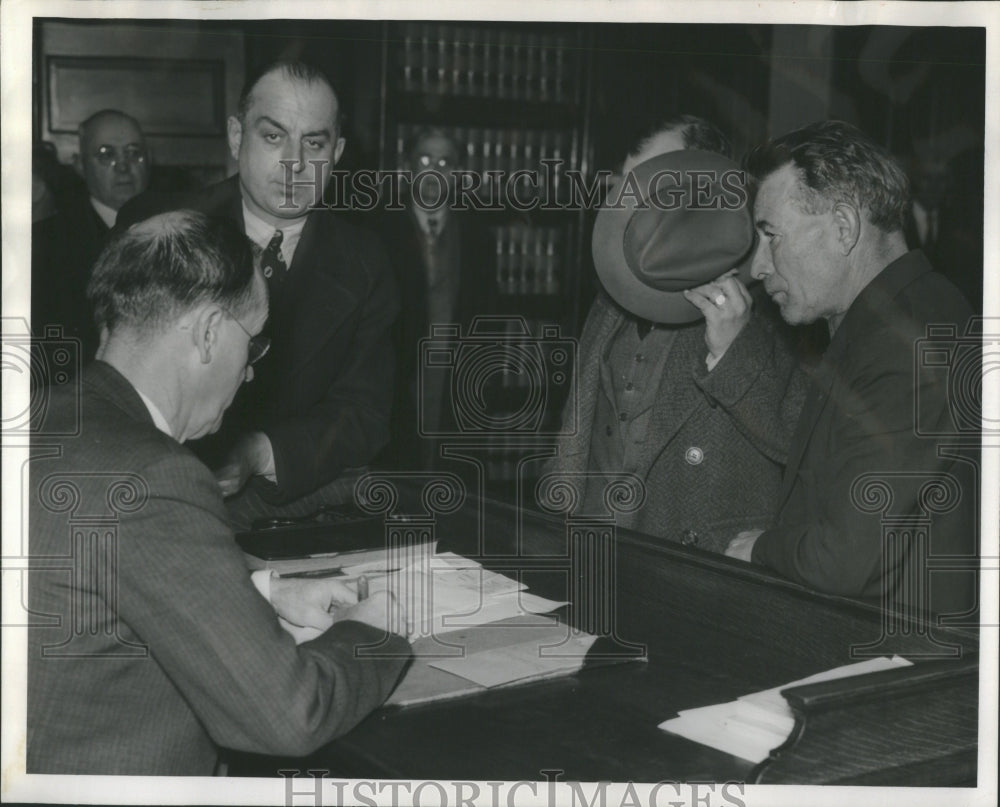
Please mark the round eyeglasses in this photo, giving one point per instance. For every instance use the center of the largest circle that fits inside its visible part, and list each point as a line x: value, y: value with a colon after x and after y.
x: 109, y: 156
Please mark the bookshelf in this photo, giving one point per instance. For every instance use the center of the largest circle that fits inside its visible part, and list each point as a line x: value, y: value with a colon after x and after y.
x: 516, y: 98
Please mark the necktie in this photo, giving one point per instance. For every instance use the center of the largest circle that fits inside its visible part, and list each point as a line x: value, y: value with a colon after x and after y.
x: 643, y: 327
x: 271, y: 261
x: 433, y: 227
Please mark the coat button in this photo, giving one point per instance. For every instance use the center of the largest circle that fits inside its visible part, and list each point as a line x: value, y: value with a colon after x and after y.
x: 623, y: 417
x: 608, y: 430
x: 694, y: 455
x: 689, y: 538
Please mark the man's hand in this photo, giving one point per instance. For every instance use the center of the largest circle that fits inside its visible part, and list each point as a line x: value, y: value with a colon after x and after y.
x: 251, y: 455
x: 381, y: 610
x: 726, y: 304
x: 741, y: 547
x: 310, y: 602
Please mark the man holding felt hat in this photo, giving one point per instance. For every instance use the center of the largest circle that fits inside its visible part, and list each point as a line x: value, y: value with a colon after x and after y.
x: 681, y: 382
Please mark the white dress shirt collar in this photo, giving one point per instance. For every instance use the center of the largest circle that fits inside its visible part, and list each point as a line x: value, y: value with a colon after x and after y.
x: 154, y: 412
x: 108, y: 215
x: 260, y: 232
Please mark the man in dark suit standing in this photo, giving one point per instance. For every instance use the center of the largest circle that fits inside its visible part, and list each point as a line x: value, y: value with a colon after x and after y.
x: 829, y: 210
x: 320, y: 403
x: 155, y: 647
x: 114, y: 163
x: 442, y: 257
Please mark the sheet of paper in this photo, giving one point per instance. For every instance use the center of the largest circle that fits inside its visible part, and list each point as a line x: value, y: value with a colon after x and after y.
x: 755, y: 724
x: 505, y: 665
x: 438, y: 603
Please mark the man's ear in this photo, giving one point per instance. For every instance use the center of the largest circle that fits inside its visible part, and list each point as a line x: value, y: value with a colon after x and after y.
x: 206, y: 327
x: 847, y: 220
x: 234, y: 132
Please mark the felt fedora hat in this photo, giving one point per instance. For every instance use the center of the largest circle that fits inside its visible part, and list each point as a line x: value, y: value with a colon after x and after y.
x: 676, y: 221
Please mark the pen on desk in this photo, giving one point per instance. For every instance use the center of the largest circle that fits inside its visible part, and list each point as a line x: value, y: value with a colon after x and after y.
x: 362, y: 588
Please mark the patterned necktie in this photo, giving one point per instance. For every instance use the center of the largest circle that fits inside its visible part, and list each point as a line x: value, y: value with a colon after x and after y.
x: 271, y: 261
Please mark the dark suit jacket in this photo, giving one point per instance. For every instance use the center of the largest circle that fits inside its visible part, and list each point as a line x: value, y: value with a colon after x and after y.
x: 858, y: 426
x: 741, y: 416
x: 63, y: 250
x: 475, y: 281
x: 957, y: 253
x: 152, y: 646
x: 323, y: 394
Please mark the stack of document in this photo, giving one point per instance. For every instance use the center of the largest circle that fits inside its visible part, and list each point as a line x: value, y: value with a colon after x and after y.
x: 754, y: 725
x: 441, y: 592
x: 446, y: 592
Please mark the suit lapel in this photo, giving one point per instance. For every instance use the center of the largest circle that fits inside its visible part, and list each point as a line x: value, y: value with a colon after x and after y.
x: 317, y: 297
x: 816, y: 401
x: 590, y: 370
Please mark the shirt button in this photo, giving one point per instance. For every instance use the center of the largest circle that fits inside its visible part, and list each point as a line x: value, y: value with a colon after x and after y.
x: 694, y: 455
x: 623, y: 417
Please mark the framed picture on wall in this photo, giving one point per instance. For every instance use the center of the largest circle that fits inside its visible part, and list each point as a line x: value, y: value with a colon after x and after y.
x: 175, y: 97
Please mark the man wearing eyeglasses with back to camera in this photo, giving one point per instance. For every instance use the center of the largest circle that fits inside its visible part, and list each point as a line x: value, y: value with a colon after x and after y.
x: 113, y: 161
x: 159, y: 647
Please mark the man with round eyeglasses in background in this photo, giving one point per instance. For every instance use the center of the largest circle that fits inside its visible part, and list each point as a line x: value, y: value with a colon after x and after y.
x: 113, y: 161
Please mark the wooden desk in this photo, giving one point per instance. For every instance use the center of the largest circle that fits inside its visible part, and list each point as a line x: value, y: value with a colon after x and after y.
x: 714, y: 629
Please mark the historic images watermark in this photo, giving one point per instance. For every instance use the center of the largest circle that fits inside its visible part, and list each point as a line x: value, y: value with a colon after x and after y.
x: 548, y: 188
x: 315, y: 787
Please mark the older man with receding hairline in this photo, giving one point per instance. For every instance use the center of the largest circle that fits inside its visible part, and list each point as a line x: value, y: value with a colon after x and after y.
x: 158, y: 648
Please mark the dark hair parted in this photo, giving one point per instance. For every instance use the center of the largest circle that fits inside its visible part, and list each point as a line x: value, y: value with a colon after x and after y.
x: 836, y: 163
x: 697, y: 133
x: 294, y: 69
x: 157, y: 269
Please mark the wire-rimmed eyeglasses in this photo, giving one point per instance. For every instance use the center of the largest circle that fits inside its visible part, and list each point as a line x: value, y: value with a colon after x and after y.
x: 109, y: 156
x: 258, y: 345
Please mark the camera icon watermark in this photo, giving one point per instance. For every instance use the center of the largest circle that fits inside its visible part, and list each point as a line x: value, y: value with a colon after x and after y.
x: 497, y: 379
x: 957, y: 366
x: 47, y: 360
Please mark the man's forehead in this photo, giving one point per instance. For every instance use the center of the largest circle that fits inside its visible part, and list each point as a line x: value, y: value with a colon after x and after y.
x: 113, y: 130
x: 284, y: 98
x: 777, y: 189
x: 436, y: 146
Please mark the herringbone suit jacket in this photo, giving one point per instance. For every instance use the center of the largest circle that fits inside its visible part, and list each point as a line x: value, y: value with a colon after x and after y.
x: 150, y: 646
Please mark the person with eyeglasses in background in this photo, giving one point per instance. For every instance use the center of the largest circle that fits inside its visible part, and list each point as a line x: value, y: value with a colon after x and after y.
x: 442, y: 256
x: 113, y: 161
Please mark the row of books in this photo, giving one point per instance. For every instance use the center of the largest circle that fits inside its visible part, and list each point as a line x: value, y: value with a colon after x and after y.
x: 486, y: 62
x: 527, y: 259
x: 487, y: 151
